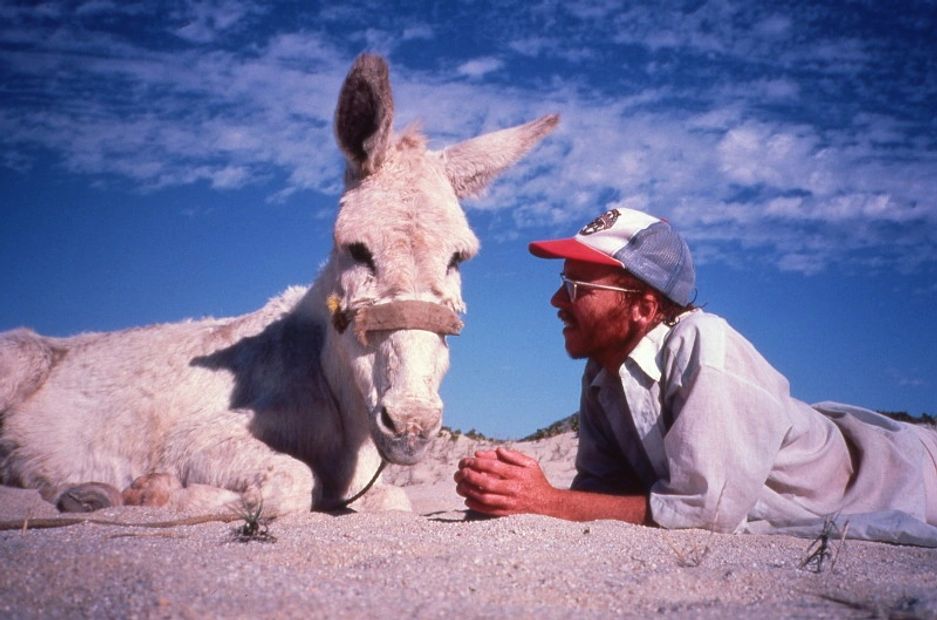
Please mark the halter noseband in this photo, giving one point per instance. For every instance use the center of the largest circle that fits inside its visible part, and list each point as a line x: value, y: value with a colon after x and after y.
x: 395, y: 315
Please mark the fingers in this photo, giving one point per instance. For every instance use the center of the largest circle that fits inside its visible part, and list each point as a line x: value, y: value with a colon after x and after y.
x: 483, y: 501
x: 486, y: 483
x: 471, y: 475
x: 508, y: 465
x: 487, y: 509
x: 481, y: 454
x: 485, y: 492
x: 479, y: 494
x: 516, y: 458
x: 493, y: 467
x: 497, y: 482
x: 506, y: 455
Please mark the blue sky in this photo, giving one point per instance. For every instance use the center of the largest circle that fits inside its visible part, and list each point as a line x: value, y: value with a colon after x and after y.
x: 160, y: 161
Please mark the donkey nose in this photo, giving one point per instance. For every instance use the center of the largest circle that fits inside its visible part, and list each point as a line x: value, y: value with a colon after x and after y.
x: 387, y: 421
x: 410, y: 417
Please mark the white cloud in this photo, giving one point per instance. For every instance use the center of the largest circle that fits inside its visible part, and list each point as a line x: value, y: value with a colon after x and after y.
x: 593, y: 9
x: 204, y: 21
x: 229, y: 177
x: 106, y: 6
x: 533, y: 46
x: 773, y: 26
x: 709, y: 153
x: 776, y: 89
x: 807, y: 264
x: 479, y: 67
x: 753, y: 154
x: 905, y: 379
x: 418, y: 31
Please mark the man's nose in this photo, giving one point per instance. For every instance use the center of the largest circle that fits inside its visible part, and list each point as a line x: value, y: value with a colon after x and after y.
x: 560, y: 298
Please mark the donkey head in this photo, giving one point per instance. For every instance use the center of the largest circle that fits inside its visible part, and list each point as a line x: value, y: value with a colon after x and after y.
x: 400, y: 236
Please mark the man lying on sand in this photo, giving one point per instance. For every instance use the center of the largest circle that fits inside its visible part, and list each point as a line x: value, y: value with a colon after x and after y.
x: 683, y: 424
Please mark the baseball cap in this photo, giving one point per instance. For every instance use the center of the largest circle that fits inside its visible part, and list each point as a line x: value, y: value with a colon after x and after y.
x: 646, y: 246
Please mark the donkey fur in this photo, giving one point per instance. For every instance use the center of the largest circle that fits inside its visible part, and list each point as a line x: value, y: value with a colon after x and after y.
x: 274, y: 408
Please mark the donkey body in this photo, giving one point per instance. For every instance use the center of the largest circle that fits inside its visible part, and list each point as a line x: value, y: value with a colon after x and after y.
x: 296, y: 405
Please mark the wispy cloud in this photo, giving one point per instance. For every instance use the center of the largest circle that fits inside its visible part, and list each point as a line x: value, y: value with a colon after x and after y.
x: 904, y: 379
x: 204, y: 22
x: 479, y: 67
x: 418, y: 31
x: 749, y: 128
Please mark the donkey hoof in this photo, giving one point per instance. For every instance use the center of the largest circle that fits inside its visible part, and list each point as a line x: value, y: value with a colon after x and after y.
x: 151, y: 490
x: 88, y: 497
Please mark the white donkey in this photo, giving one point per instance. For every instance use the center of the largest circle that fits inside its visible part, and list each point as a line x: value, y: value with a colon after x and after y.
x: 297, y: 405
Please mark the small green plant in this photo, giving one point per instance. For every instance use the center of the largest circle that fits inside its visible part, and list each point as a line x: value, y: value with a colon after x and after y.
x: 693, y: 555
x: 256, y: 527
x: 820, y: 550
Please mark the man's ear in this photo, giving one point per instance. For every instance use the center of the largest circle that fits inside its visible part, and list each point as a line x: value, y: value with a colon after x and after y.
x: 645, y: 311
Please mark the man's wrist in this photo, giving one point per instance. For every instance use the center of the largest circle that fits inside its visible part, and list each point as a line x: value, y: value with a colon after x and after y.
x: 576, y: 505
x: 558, y: 503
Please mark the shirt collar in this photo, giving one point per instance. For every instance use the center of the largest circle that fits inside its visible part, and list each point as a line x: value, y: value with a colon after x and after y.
x: 645, y: 353
x: 646, y: 356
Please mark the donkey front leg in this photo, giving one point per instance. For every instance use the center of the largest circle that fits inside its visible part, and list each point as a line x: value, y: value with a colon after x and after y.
x: 261, y: 478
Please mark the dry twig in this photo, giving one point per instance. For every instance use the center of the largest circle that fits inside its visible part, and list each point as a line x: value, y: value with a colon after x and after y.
x: 39, y: 524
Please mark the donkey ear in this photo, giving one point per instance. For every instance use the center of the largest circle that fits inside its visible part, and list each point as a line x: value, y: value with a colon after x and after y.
x: 473, y: 164
x: 364, y: 114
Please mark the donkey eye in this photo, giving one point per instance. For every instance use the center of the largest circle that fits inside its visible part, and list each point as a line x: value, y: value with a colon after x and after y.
x: 457, y: 259
x: 361, y: 254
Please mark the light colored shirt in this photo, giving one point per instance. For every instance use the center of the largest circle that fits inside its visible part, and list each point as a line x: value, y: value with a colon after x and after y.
x: 702, y: 422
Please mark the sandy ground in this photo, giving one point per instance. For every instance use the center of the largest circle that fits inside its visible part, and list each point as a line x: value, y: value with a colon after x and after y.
x: 440, y: 562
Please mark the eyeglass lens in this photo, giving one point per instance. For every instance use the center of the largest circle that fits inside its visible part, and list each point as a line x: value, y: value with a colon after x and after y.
x: 570, y: 288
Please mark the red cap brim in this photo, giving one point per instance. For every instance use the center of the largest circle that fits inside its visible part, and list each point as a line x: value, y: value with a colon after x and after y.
x: 572, y: 250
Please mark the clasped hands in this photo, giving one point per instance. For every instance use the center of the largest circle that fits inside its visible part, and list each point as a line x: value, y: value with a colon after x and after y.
x: 503, y: 482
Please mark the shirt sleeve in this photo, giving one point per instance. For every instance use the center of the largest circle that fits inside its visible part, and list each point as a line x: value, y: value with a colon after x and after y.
x: 727, y: 427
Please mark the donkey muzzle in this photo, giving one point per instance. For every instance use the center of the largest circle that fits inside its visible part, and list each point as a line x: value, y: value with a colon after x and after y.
x: 402, y: 423
x: 405, y: 428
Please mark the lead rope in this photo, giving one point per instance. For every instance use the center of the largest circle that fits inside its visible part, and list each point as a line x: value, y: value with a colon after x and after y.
x: 367, y: 487
x: 380, y: 468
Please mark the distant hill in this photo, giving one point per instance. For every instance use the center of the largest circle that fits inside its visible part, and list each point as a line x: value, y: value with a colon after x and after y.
x: 567, y: 424
x: 904, y: 416
x: 571, y: 424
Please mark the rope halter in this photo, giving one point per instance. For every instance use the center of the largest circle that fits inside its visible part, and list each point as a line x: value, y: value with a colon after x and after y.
x: 391, y: 316
x: 395, y: 315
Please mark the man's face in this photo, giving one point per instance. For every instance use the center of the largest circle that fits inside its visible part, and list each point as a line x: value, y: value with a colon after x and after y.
x: 598, y: 325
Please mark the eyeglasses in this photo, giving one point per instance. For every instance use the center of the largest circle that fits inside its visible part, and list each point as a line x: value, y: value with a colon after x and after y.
x: 572, y: 287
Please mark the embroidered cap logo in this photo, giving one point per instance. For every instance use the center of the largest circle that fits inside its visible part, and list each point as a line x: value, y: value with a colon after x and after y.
x: 603, y: 222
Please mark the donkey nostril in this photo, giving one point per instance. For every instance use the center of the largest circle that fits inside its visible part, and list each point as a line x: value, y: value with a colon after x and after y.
x: 387, y: 421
